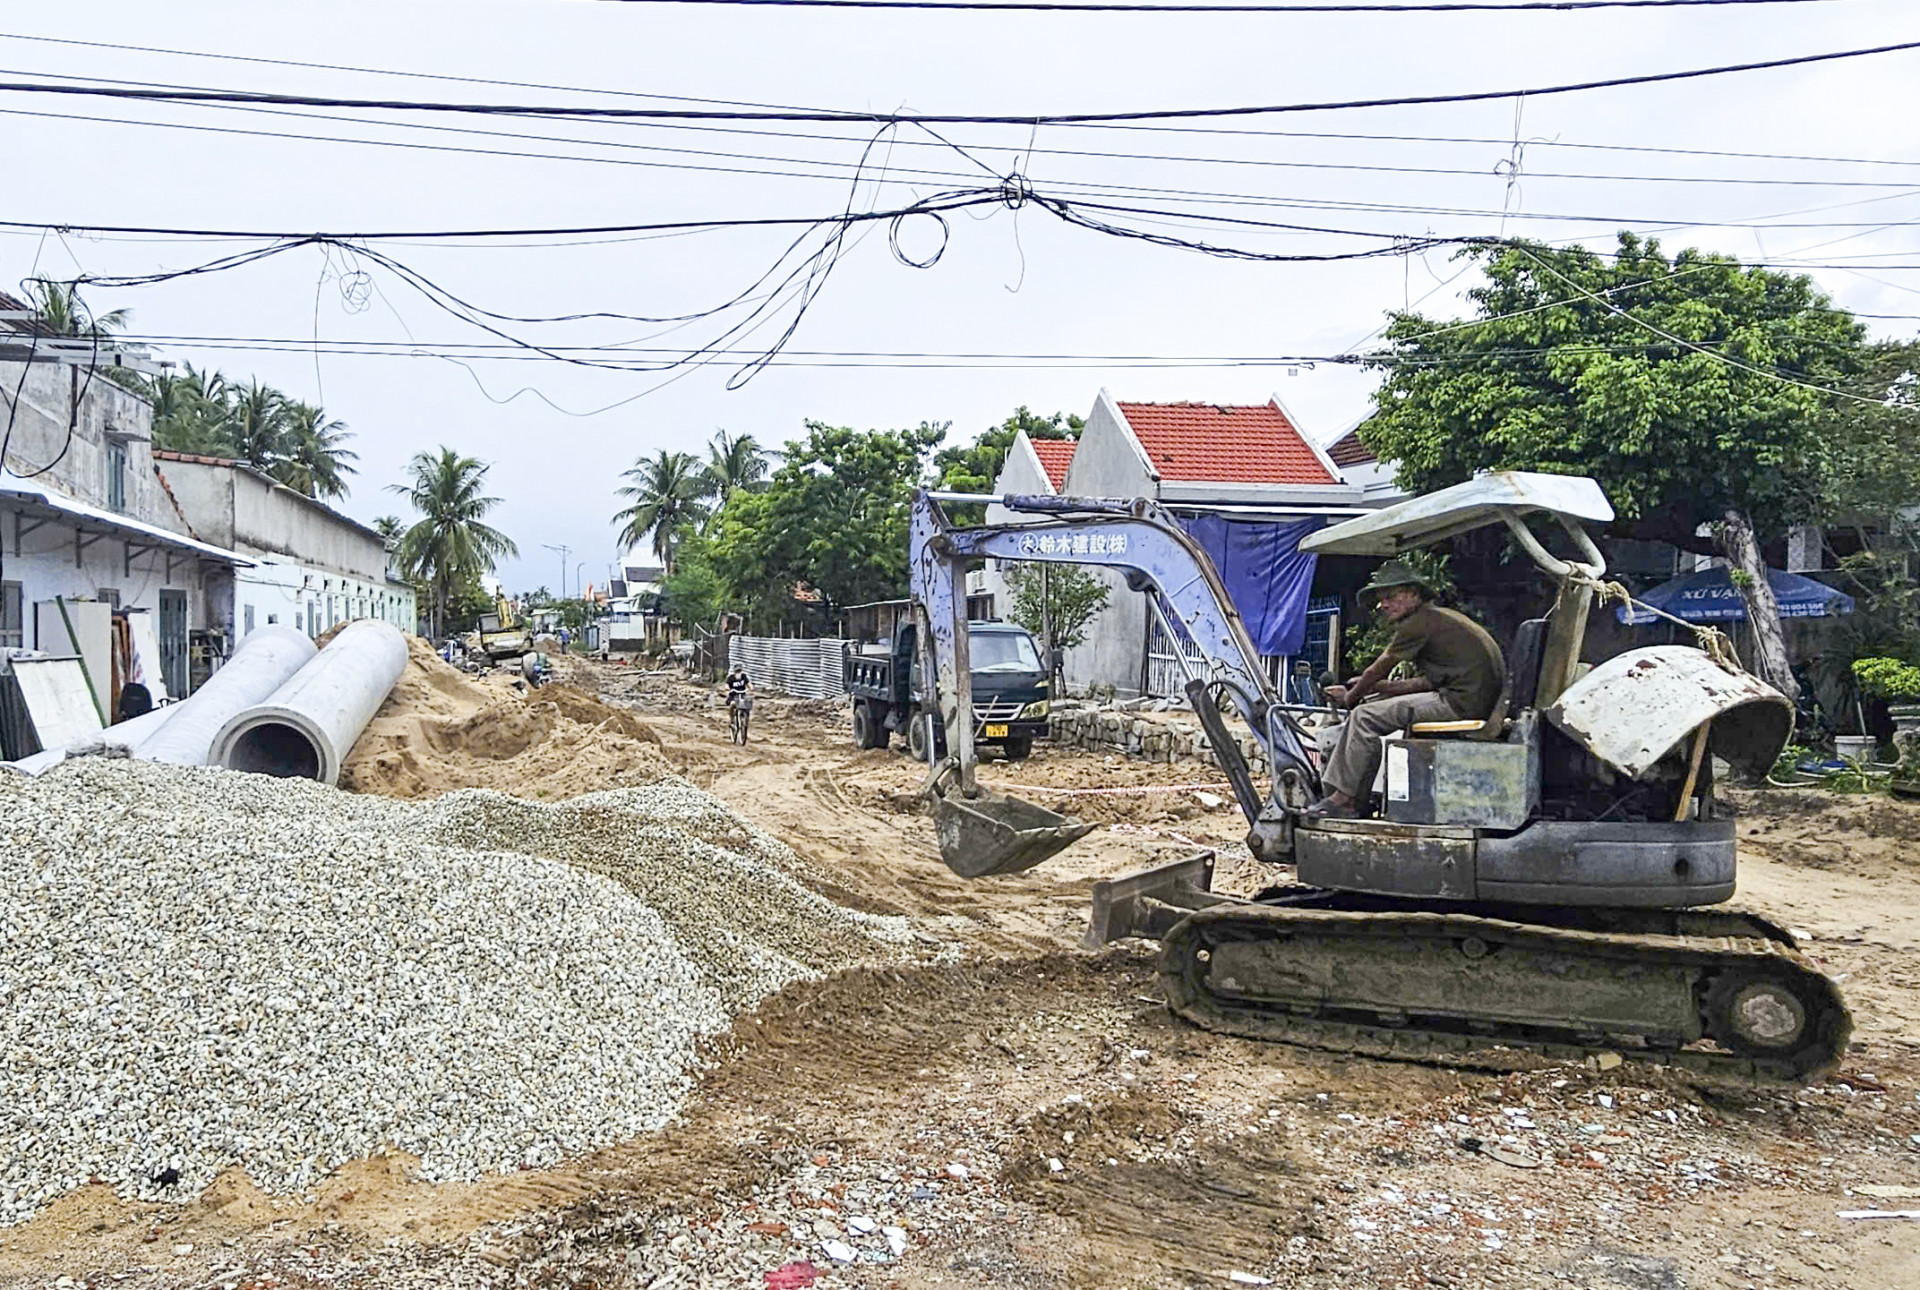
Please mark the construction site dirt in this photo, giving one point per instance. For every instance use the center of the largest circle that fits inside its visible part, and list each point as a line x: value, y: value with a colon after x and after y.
x: 1010, y: 1110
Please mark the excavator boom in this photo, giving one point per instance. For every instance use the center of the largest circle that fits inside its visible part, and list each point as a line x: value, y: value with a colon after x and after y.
x: 982, y: 833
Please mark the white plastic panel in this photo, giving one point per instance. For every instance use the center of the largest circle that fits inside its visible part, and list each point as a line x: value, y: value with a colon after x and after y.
x: 1464, y: 507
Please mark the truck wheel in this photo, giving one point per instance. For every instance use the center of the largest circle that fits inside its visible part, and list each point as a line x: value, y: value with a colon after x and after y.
x: 1018, y: 747
x: 865, y: 727
x: 917, y: 739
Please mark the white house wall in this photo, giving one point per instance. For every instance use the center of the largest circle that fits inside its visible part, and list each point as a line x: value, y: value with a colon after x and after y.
x: 1020, y: 475
x: 45, y: 569
x: 1108, y: 463
x: 275, y: 520
x: 312, y: 599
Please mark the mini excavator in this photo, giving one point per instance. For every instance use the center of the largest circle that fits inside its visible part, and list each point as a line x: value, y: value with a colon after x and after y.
x: 1549, y: 879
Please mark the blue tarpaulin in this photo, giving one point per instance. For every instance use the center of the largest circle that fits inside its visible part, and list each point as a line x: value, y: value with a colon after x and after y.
x: 1267, y: 575
x: 1709, y: 596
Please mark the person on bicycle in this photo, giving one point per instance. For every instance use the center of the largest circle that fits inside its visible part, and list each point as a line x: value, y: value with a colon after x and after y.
x: 739, y: 689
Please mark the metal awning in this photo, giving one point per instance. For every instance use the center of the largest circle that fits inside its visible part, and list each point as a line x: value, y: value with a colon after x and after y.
x: 1485, y: 499
x: 33, y: 497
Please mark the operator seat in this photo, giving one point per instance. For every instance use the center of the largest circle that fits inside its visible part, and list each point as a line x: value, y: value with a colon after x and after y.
x: 1516, y: 695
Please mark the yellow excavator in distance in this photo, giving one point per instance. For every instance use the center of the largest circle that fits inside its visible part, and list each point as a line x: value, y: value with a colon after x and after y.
x: 504, y: 635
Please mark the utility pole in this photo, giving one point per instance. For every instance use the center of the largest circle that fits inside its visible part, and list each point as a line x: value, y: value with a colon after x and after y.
x: 564, y: 551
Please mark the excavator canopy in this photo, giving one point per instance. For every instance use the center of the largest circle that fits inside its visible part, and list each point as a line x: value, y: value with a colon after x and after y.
x: 1483, y: 500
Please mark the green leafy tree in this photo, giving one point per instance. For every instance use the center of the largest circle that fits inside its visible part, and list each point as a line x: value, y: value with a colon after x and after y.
x: 836, y: 514
x: 1689, y: 387
x: 667, y: 494
x: 450, y: 547
x: 1875, y: 481
x: 1058, y: 601
x: 739, y: 547
x: 973, y: 468
x: 695, y: 593
x: 735, y: 463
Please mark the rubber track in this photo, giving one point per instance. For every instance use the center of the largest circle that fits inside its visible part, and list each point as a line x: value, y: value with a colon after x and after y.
x: 1182, y: 978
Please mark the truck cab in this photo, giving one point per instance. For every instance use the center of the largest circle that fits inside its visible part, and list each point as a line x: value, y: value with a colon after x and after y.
x: 1011, y: 691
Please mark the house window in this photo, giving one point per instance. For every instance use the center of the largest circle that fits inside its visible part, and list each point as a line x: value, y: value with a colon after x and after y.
x: 116, y: 475
x: 246, y: 616
x: 10, y: 615
x: 109, y: 595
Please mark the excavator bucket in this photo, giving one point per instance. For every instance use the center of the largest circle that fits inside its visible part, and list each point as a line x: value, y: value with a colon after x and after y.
x: 991, y: 834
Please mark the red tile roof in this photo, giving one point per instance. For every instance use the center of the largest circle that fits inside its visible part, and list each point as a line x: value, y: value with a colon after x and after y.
x: 1347, y: 450
x: 1209, y: 443
x: 1055, y: 456
x: 165, y: 454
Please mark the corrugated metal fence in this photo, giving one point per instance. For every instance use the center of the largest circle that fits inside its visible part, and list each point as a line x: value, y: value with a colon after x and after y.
x: 805, y: 669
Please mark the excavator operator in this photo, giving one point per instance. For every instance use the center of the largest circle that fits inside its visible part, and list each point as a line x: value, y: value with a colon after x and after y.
x: 1461, y: 676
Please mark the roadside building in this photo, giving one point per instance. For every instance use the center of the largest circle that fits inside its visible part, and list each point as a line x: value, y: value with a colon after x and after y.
x: 1361, y: 466
x: 310, y: 567
x: 88, y: 527
x: 1245, y: 481
x: 636, y: 620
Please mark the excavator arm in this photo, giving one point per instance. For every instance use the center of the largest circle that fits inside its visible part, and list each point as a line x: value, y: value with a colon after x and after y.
x: 984, y: 833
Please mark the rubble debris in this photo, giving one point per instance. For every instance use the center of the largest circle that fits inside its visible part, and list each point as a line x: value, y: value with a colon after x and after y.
x: 200, y: 968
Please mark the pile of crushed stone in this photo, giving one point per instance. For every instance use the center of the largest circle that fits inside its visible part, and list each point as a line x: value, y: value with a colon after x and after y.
x: 201, y: 969
x: 442, y: 730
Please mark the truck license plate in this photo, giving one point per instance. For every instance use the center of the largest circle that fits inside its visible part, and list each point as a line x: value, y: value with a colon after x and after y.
x: 996, y: 732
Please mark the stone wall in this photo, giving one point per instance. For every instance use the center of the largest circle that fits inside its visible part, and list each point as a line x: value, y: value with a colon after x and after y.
x: 1150, y: 736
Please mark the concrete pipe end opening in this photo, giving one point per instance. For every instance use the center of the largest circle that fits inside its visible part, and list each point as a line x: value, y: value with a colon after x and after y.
x: 279, y: 744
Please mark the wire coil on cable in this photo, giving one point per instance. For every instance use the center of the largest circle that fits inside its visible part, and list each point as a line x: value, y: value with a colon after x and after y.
x: 899, y: 252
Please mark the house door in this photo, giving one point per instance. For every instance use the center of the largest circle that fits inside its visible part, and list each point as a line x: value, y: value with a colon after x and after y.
x: 173, y: 641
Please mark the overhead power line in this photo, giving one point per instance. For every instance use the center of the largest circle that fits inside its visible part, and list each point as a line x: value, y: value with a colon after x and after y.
x: 920, y: 118
x: 1105, y: 6
x: 893, y: 172
x: 1475, y: 140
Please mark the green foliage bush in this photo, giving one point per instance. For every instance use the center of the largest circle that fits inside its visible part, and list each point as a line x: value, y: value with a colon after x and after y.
x: 1888, y: 678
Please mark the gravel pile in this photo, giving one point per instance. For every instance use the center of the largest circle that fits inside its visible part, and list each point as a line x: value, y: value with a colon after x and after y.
x: 200, y: 968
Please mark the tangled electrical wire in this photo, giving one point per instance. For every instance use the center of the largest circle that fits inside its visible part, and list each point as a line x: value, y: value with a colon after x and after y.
x: 782, y: 294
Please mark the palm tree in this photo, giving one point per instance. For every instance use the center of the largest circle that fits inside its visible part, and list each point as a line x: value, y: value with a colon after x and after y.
x: 256, y: 423
x: 735, y: 463
x: 313, y: 459
x: 667, y: 493
x: 449, y: 546
x: 62, y: 312
x: 189, y: 411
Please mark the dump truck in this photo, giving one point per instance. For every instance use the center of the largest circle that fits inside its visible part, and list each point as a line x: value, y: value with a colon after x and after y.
x: 1552, y: 878
x: 1009, y: 684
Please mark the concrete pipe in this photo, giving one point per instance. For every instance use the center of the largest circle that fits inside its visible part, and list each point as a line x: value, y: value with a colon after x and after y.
x: 305, y: 729
x: 264, y: 662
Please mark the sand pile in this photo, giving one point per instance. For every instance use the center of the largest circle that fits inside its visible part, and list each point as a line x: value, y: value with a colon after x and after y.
x: 442, y: 730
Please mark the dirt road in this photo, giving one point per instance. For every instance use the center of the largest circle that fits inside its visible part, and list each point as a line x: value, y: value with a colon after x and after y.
x: 1022, y: 1113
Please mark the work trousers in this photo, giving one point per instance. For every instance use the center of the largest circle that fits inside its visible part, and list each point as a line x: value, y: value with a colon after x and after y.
x: 1356, y: 758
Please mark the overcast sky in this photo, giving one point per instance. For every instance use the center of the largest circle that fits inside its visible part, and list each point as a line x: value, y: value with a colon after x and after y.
x: 1007, y: 284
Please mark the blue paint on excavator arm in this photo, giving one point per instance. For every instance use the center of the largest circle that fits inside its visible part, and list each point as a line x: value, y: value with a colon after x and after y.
x: 1160, y: 560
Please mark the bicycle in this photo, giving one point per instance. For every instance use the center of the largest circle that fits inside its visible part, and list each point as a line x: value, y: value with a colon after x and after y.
x: 741, y: 714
